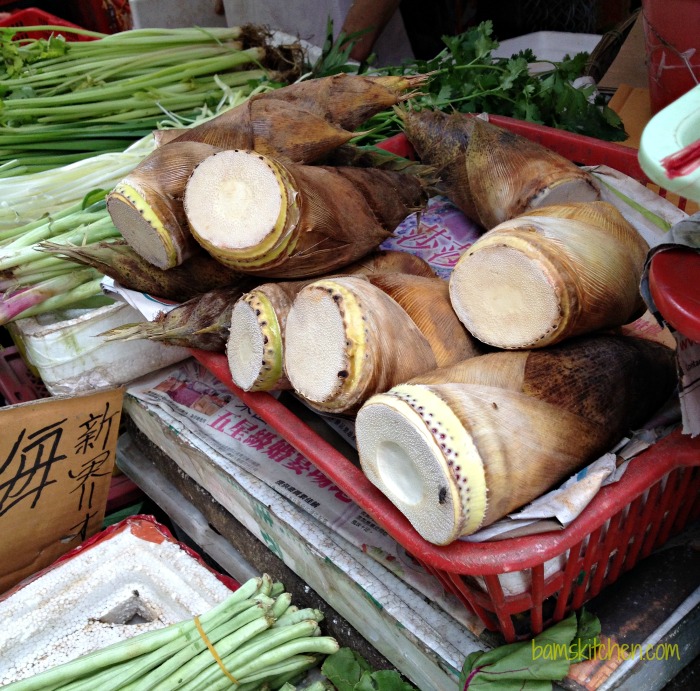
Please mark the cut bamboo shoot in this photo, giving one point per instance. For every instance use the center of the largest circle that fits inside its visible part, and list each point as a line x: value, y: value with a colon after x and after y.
x: 256, y: 342
x: 255, y: 345
x: 260, y: 216
x: 553, y: 273
x: 346, y: 339
x: 301, y: 122
x: 146, y: 206
x: 459, y: 448
x: 493, y: 174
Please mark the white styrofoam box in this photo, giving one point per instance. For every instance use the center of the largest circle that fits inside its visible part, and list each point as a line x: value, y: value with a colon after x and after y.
x: 548, y: 46
x: 130, y: 581
x: 173, y: 14
x: 71, y: 357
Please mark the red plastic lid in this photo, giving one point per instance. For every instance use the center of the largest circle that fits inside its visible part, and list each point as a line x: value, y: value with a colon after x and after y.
x: 674, y: 280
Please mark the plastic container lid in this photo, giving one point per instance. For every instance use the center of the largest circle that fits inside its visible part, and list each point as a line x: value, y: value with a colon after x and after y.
x: 669, y: 150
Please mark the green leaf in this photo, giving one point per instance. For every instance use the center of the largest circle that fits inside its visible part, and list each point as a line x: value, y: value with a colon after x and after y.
x: 344, y: 669
x: 587, y: 636
x: 347, y: 670
x: 515, y: 69
x: 532, y: 665
x: 335, y: 53
x: 465, y: 77
x: 93, y: 196
x: 382, y: 680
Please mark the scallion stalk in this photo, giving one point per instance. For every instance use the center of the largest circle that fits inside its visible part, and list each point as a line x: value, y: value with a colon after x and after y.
x: 128, y: 81
x: 126, y: 651
x: 19, y: 303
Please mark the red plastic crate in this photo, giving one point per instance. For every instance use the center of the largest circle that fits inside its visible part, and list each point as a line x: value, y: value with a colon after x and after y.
x: 34, y: 17
x: 17, y: 384
x: 657, y: 497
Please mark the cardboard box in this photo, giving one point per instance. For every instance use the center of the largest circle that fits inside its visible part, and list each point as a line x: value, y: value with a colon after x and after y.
x: 56, y: 461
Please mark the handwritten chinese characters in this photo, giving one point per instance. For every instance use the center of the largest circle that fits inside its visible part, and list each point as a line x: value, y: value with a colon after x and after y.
x: 56, y: 461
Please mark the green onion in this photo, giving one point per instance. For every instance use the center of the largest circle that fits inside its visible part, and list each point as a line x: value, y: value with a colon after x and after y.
x: 19, y: 303
x: 91, y: 97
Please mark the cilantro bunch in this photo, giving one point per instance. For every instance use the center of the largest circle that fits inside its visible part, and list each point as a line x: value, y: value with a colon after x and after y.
x: 466, y: 77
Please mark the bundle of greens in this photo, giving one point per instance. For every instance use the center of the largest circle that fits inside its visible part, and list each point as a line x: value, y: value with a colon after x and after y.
x: 466, y: 77
x: 254, y: 638
x: 32, y: 282
x: 64, y: 101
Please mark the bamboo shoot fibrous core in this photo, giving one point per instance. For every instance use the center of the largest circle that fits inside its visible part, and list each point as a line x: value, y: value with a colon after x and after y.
x: 346, y: 339
x: 255, y: 345
x: 235, y: 200
x: 458, y: 448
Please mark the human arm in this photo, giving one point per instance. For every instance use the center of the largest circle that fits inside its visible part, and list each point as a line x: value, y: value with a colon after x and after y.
x: 370, y: 15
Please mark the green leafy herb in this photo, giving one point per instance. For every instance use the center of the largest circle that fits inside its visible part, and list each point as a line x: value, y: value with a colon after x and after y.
x: 347, y: 670
x: 335, y: 54
x: 467, y: 78
x: 532, y: 665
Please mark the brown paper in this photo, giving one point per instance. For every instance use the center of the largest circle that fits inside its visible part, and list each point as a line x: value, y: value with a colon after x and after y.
x: 56, y: 461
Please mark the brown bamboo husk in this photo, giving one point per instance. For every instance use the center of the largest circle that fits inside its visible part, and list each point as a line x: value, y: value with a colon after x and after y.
x: 306, y: 120
x: 390, y: 261
x: 274, y: 128
x: 301, y: 122
x: 146, y: 206
x: 201, y: 322
x: 162, y: 137
x: 349, y: 100
x: 490, y: 173
x: 459, y: 448
x: 441, y: 141
x: 118, y: 260
x: 427, y: 302
x: 510, y: 174
x: 551, y: 274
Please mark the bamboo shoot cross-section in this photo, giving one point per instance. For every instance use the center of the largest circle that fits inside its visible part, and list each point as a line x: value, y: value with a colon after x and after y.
x: 553, y: 273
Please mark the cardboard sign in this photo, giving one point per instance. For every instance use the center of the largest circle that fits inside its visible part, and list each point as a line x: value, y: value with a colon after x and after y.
x: 56, y: 461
